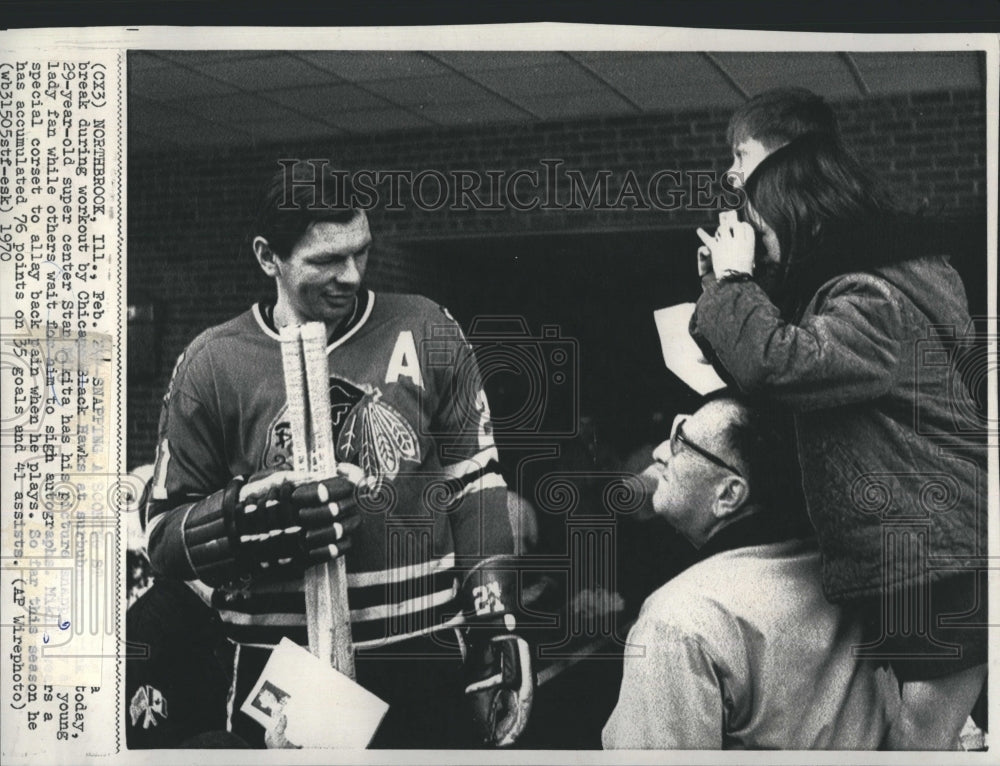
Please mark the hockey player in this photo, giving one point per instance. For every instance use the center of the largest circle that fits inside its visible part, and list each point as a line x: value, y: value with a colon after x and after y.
x: 422, y: 525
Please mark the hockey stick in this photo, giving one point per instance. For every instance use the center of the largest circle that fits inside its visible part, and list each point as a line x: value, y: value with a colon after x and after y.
x: 303, y: 356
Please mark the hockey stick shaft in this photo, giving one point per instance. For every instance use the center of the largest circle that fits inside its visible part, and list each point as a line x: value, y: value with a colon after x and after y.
x: 307, y: 386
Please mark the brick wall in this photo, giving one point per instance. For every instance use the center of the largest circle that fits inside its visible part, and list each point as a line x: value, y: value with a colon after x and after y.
x: 187, y: 211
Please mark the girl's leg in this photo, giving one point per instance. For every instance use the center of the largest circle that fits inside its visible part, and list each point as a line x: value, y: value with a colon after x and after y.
x: 934, y: 711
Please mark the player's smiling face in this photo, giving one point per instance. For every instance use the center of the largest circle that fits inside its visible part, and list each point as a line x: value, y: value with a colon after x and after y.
x: 318, y: 280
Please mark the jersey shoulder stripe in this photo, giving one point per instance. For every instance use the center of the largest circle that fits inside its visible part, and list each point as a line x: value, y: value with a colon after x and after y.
x: 414, y: 311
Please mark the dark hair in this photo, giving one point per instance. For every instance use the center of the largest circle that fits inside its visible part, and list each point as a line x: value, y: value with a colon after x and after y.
x: 299, y: 194
x: 764, y: 440
x: 829, y: 215
x: 775, y: 117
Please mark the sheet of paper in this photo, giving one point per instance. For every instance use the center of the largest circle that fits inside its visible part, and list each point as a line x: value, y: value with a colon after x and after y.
x: 680, y: 353
x: 322, y: 708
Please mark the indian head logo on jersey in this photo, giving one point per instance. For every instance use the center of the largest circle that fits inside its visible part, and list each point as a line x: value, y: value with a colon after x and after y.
x: 367, y: 431
x: 378, y: 438
x: 278, y: 450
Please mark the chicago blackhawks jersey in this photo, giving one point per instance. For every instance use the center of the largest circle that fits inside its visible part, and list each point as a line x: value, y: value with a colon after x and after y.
x: 407, y: 406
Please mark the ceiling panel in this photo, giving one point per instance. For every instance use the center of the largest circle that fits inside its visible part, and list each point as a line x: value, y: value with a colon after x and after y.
x: 902, y: 72
x: 663, y: 82
x: 175, y: 83
x: 675, y: 97
x: 378, y: 121
x: 180, y: 132
x: 142, y: 61
x: 564, y: 107
x: 442, y: 89
x: 236, y: 108
x: 164, y: 125
x: 479, y: 61
x: 150, y: 116
x: 478, y: 113
x: 293, y: 129
x: 824, y: 73
x: 201, y: 97
x: 214, y: 135
x: 362, y: 66
x: 209, y: 58
x: 266, y: 73
x: 565, y: 77
x: 142, y: 143
x: 321, y: 100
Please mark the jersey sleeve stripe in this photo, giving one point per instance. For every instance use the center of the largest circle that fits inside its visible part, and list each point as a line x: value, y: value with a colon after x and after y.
x: 360, y: 581
x: 400, y: 574
x: 184, y: 542
x: 433, y: 613
x: 267, y: 618
x: 288, y: 597
x: 488, y: 481
x: 379, y: 612
x: 152, y: 524
x: 472, y: 465
x: 459, y: 487
x: 453, y: 622
x: 410, y: 606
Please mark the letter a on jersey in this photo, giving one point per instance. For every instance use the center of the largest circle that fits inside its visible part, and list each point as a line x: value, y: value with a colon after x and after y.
x: 404, y: 362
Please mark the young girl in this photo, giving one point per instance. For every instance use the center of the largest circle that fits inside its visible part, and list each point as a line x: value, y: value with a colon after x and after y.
x: 853, y: 325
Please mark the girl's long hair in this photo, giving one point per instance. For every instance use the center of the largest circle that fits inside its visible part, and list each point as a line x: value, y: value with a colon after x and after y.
x: 830, y: 217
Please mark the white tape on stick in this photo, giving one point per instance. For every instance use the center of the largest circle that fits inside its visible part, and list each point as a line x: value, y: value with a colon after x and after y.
x: 303, y: 353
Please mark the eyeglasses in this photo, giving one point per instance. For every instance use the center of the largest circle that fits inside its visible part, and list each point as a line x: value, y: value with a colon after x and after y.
x: 678, y: 438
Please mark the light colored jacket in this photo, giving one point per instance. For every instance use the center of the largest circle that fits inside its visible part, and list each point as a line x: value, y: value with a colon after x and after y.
x: 743, y: 651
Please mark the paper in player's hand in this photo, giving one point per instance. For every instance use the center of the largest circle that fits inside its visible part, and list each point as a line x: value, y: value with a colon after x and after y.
x: 680, y: 353
x: 322, y: 708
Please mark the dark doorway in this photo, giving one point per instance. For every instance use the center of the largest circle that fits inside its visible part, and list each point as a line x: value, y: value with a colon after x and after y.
x: 599, y: 289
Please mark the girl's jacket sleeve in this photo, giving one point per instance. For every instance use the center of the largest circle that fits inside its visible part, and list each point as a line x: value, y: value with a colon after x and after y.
x: 845, y: 349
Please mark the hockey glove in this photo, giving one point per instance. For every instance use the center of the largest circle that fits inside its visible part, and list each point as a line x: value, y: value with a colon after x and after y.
x: 273, y: 521
x: 499, y: 681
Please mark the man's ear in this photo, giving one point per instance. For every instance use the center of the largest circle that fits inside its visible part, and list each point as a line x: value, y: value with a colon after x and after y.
x: 731, y: 495
x: 265, y: 256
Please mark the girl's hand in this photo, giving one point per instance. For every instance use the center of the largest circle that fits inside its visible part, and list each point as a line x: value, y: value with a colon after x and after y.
x: 731, y: 249
x: 704, y: 261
